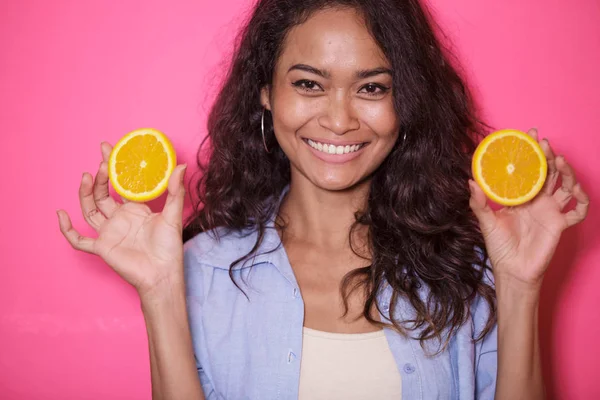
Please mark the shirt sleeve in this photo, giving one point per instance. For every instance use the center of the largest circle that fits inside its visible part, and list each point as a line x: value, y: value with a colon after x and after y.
x: 486, y: 350
x: 194, y: 282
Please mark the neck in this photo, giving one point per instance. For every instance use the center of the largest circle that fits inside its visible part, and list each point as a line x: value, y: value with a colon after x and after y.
x: 322, y: 217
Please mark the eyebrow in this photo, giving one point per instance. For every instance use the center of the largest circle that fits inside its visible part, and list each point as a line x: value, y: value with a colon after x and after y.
x: 367, y: 73
x: 312, y: 70
x: 362, y: 74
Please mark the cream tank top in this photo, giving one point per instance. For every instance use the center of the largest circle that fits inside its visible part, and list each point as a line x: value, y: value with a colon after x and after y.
x: 349, y: 366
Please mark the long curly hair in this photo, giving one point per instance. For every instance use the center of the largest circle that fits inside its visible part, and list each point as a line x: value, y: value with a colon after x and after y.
x: 421, y: 228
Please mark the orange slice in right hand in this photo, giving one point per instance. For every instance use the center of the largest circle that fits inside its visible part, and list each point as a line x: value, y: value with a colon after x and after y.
x: 141, y: 163
x: 510, y: 167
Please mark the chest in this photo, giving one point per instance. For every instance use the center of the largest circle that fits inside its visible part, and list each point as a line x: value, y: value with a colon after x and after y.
x: 357, y: 366
x: 251, y: 347
x: 320, y: 276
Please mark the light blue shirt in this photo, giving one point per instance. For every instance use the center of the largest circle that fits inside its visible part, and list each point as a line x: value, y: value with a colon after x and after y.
x: 250, y: 348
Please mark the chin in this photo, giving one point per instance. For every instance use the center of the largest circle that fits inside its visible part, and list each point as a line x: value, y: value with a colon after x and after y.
x: 336, y: 183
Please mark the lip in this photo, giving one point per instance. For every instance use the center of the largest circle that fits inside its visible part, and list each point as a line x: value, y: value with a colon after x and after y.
x: 336, y: 158
x: 334, y: 142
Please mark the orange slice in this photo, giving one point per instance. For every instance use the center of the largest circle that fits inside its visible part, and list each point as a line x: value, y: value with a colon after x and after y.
x: 140, y: 164
x: 510, y: 167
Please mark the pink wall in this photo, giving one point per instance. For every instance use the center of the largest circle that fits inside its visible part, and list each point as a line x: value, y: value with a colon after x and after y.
x: 75, y: 73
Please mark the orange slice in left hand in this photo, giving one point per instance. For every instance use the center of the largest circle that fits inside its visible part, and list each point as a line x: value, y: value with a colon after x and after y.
x: 510, y: 167
x: 141, y: 163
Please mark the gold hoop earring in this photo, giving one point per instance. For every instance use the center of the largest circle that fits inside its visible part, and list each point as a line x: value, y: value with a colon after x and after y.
x: 262, y: 130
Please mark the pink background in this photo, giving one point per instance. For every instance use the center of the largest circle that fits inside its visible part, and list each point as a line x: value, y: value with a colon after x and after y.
x: 75, y: 73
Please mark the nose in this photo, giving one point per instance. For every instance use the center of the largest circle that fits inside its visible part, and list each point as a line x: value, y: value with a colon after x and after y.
x: 340, y: 116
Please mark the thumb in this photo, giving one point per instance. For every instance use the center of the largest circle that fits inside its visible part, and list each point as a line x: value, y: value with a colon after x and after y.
x: 173, y: 210
x: 481, y: 208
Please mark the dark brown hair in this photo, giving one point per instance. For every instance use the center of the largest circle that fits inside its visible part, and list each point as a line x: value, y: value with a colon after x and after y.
x: 421, y: 229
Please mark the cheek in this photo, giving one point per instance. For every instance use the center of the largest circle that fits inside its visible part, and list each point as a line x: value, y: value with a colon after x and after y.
x: 381, y: 118
x: 291, y: 111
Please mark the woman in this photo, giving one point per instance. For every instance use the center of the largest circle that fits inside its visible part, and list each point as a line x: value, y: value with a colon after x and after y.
x: 339, y: 248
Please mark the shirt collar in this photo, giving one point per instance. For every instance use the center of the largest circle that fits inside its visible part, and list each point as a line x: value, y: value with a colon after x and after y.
x: 272, y: 247
x: 233, y: 245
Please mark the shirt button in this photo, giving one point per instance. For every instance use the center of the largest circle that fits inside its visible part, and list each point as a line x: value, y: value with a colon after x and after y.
x: 291, y: 357
x: 409, y: 368
x: 295, y: 293
x: 386, y: 307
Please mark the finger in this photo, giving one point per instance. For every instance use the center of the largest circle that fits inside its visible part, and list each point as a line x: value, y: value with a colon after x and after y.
x: 552, y: 176
x: 564, y: 194
x: 78, y: 242
x: 102, y: 197
x: 533, y: 132
x: 580, y: 211
x: 482, y: 210
x: 90, y: 211
x: 173, y: 210
x: 106, y: 149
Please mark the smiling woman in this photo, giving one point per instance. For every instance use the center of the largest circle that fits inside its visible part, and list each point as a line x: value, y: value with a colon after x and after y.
x: 339, y: 247
x: 333, y: 85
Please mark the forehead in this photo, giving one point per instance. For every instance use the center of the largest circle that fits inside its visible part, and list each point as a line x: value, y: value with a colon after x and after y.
x: 332, y: 39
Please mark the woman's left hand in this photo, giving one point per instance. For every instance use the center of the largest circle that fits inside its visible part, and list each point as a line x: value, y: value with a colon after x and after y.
x: 521, y: 240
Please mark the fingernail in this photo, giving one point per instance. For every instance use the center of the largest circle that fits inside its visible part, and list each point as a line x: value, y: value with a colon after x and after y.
x: 183, y: 171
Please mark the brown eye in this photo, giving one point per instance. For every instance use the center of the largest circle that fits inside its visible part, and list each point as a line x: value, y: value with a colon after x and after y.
x: 307, y: 85
x: 373, y: 89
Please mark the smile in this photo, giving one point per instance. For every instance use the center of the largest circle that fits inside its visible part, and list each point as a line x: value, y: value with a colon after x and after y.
x: 333, y: 149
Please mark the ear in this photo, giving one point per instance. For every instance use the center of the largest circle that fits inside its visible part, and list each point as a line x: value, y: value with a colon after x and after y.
x: 264, y: 97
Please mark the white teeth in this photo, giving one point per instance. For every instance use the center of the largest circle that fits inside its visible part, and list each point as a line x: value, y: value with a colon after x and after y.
x: 332, y: 149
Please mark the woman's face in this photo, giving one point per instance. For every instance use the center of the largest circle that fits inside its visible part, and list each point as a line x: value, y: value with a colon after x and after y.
x: 331, y: 101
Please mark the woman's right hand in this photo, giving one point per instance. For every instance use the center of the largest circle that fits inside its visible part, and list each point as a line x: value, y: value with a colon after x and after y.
x: 143, y: 247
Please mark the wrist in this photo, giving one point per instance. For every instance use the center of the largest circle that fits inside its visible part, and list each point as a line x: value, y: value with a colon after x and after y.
x: 514, y: 294
x: 165, y: 291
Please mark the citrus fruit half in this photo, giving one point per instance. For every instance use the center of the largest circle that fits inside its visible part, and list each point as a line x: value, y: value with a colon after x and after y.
x: 510, y: 167
x: 140, y: 164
